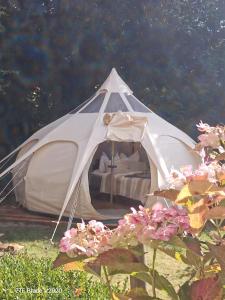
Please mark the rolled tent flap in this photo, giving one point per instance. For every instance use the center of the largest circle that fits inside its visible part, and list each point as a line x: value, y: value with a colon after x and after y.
x: 136, y: 128
x: 126, y: 127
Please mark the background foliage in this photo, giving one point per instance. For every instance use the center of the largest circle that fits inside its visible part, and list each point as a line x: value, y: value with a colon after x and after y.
x: 171, y: 53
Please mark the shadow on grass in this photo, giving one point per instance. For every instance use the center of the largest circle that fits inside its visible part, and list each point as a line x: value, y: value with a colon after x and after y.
x: 30, y: 232
x: 34, y: 238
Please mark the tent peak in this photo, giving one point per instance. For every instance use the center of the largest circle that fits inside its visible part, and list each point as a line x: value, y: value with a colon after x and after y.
x: 114, y: 83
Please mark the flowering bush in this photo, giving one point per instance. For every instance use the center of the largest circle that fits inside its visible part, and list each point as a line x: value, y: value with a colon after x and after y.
x: 198, y: 198
x: 213, y: 137
x: 92, y: 245
x: 91, y: 239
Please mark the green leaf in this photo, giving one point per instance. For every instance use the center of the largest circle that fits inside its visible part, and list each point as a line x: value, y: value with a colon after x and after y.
x: 160, y: 281
x: 116, y: 256
x: 177, y: 254
x: 181, y: 251
x: 79, y: 263
x: 184, y: 291
x: 92, y: 269
x: 118, y: 261
x: 139, y: 294
x: 222, y: 203
x: 74, y: 265
x: 119, y: 297
x: 170, y: 194
x: 177, y: 242
x: 138, y: 250
x: 134, y: 294
x: 219, y: 253
x: 207, y: 257
x: 63, y: 259
x: 193, y: 245
x: 193, y: 259
x: 144, y: 276
x: 127, y: 268
x: 196, y: 188
x: 164, y: 284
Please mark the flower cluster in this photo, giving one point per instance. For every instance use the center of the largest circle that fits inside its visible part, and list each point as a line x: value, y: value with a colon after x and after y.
x: 211, y: 172
x: 140, y: 226
x: 212, y: 143
x: 146, y: 225
x: 212, y: 137
x: 90, y: 240
x: 130, y: 227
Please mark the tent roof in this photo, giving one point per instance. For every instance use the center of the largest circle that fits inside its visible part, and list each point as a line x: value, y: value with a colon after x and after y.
x: 114, y: 95
x: 114, y: 83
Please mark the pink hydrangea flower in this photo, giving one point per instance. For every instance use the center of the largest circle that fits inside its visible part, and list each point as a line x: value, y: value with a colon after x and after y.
x: 140, y: 226
x: 157, y: 206
x: 187, y: 170
x: 203, y: 127
x: 211, y: 136
x: 209, y: 140
x: 205, y: 171
x: 146, y: 225
x: 176, y: 179
x: 87, y: 239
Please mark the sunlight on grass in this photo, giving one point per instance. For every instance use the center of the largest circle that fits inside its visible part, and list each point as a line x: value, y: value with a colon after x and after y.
x: 36, y: 242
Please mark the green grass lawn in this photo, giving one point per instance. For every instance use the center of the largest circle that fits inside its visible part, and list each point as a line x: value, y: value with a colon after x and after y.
x: 35, y: 238
x: 32, y: 268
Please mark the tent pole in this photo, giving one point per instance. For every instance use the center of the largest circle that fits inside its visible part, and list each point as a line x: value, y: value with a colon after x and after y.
x: 112, y: 172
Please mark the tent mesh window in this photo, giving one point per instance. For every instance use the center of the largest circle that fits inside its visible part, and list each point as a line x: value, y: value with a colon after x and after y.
x: 81, y: 105
x: 115, y: 103
x: 137, y: 106
x: 95, y: 105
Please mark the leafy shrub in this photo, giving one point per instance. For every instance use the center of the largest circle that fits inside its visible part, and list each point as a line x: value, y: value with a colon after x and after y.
x: 21, y: 273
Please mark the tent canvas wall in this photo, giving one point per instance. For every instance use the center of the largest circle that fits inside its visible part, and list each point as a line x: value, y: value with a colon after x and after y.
x: 51, y: 169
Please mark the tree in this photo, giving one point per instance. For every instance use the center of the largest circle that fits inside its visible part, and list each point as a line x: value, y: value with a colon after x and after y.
x: 171, y: 53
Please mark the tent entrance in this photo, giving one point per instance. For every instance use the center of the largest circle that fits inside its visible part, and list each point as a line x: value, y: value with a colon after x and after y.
x: 119, y: 177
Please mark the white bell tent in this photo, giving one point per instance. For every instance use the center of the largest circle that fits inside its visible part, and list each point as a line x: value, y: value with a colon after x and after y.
x: 51, y: 171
